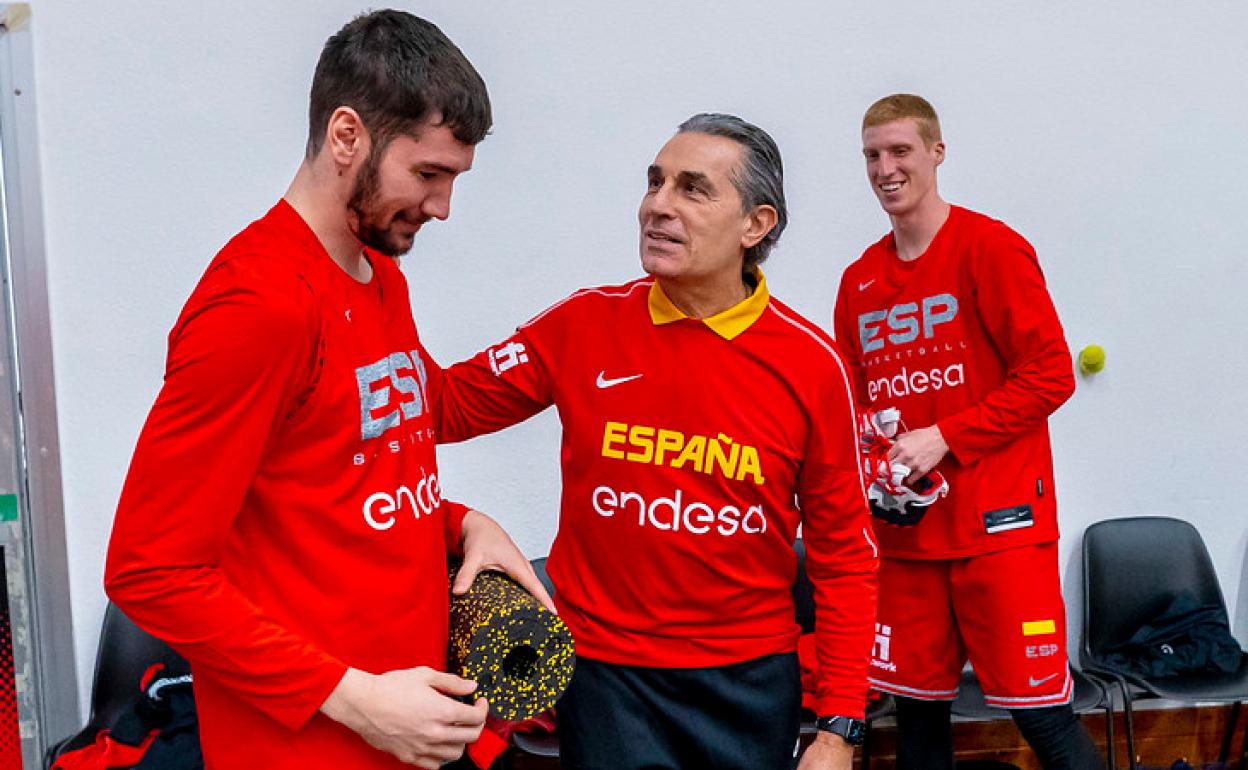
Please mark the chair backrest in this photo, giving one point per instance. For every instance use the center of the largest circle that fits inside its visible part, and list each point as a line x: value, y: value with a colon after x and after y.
x: 125, y: 652
x: 539, y: 566
x: 1132, y: 569
x: 803, y: 592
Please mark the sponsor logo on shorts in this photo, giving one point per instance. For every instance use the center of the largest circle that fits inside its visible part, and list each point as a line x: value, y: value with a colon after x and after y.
x: 880, y: 657
x: 1034, y: 682
x: 1041, y: 650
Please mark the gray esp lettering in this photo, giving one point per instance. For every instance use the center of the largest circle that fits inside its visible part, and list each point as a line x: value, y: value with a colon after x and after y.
x: 406, y: 384
x: 375, y: 382
x: 904, y: 321
x: 900, y: 317
x: 373, y: 399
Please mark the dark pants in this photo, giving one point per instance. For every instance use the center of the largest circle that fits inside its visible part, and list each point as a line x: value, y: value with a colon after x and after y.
x: 925, y: 737
x: 739, y: 717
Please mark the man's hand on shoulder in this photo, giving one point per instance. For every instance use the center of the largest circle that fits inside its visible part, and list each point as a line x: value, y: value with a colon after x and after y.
x: 408, y: 713
x: 828, y: 752
x: 488, y: 546
x: 919, y: 450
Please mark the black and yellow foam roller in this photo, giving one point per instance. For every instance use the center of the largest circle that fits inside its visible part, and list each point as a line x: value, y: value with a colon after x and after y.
x: 519, y: 653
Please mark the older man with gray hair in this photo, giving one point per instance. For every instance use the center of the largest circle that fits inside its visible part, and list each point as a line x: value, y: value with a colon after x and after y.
x: 703, y: 422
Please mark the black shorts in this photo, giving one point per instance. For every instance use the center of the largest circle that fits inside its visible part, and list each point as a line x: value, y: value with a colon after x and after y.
x: 744, y: 716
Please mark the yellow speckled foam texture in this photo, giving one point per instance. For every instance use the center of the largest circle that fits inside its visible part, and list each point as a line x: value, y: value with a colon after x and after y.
x: 519, y: 653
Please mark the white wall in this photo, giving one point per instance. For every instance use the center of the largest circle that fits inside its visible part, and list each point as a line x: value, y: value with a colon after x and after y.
x: 1110, y: 134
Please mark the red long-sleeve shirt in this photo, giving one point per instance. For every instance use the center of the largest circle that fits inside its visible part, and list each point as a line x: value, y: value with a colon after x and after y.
x: 966, y: 338
x: 281, y: 519
x: 691, y: 452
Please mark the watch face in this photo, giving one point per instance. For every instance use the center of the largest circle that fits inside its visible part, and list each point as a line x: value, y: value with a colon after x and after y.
x: 852, y: 730
x: 857, y: 731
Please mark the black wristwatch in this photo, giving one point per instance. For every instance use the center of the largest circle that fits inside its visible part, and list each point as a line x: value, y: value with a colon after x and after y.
x: 854, y: 731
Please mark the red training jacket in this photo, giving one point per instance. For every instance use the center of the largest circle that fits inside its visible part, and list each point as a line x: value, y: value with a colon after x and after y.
x: 691, y: 452
x: 282, y: 519
x: 964, y: 337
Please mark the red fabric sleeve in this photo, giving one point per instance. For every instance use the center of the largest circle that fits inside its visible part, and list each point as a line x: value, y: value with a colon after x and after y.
x: 453, y: 513
x: 1020, y: 320
x: 453, y: 519
x: 841, y: 555
x: 471, y: 399
x: 226, y: 389
x: 490, y: 743
x: 106, y: 752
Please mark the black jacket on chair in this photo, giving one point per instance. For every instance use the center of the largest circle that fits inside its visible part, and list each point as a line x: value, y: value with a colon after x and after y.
x: 1186, y: 638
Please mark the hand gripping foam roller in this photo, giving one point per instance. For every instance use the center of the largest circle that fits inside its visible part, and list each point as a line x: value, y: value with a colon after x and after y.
x: 519, y: 653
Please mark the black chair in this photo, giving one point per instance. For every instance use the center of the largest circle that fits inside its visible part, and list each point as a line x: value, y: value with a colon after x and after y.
x: 1090, y: 694
x: 1132, y: 569
x: 539, y: 566
x: 125, y: 652
x: 547, y: 745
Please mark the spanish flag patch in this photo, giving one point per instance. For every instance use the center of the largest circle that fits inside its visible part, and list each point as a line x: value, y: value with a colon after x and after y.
x: 1039, y: 627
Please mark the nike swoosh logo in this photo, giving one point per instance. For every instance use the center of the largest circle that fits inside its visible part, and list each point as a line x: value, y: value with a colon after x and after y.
x: 1032, y: 681
x: 603, y: 382
x: 865, y: 286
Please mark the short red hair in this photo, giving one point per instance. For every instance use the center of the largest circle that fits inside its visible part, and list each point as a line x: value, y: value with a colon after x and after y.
x: 899, y: 106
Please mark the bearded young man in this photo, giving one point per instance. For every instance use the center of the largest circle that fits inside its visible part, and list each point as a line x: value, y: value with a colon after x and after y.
x: 282, y: 525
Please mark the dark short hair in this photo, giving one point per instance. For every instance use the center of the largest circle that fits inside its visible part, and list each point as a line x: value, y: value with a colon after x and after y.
x: 397, y: 71
x: 760, y: 178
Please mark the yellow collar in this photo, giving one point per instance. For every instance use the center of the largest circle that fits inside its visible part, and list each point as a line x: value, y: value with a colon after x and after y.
x: 728, y: 323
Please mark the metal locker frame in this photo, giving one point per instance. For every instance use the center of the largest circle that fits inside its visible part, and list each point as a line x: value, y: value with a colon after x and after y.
x: 35, y: 546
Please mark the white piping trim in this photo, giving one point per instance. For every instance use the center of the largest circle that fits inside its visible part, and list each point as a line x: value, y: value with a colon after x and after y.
x: 897, y: 689
x: 849, y: 389
x: 1055, y: 700
x: 871, y: 542
x: 639, y: 283
x: 1066, y: 695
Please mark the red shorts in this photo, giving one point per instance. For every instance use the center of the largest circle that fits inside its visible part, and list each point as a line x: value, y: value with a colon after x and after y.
x: 1003, y: 611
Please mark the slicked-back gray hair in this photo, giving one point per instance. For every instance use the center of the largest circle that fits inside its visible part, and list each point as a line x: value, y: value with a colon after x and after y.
x: 760, y: 178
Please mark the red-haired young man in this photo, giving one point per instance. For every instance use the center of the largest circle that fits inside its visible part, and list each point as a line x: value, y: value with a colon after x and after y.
x: 947, y: 319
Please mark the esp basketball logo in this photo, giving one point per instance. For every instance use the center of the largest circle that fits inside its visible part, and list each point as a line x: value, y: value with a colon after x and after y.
x: 392, y: 389
x: 905, y: 321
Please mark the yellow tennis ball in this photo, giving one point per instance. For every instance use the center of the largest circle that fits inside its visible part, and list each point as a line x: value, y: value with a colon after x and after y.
x: 1092, y: 359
